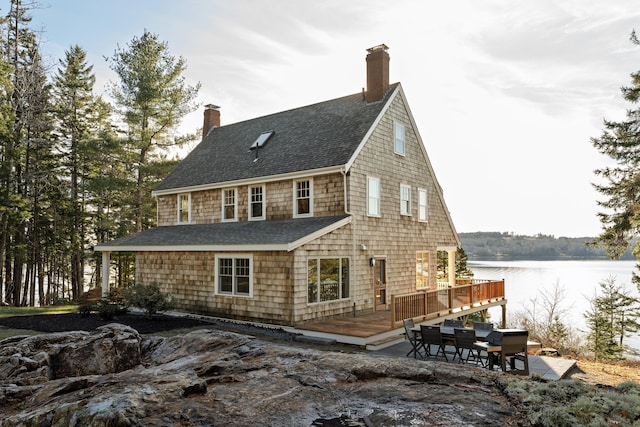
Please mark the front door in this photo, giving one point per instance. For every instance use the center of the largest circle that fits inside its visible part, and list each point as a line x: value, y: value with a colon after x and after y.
x: 380, y: 283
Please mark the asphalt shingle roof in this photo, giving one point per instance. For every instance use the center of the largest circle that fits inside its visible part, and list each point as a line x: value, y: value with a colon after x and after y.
x: 316, y: 136
x: 246, y: 233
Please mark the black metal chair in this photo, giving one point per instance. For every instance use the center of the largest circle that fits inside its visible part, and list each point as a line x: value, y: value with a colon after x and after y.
x: 453, y: 322
x: 431, y: 337
x: 482, y: 326
x: 465, y: 339
x: 414, y: 338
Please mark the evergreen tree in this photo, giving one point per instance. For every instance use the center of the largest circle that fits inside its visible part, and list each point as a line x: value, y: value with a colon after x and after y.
x: 621, y: 142
x: 75, y: 110
x: 152, y: 96
x: 28, y: 159
x: 40, y: 179
x: 461, y: 264
x: 613, y: 315
x: 7, y: 197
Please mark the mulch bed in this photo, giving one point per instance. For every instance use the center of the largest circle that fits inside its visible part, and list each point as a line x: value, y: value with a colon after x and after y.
x: 77, y: 322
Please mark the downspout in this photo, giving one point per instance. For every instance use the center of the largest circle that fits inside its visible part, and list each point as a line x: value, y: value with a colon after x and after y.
x: 352, y: 267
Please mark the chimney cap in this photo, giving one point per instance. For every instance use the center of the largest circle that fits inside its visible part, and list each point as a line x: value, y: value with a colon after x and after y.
x: 378, y: 47
x: 211, y: 107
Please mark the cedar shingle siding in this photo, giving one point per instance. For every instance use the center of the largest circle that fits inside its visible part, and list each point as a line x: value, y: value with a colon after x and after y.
x: 333, y: 143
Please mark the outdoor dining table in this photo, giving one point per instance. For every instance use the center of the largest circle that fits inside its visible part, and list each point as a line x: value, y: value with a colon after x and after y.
x: 485, y: 340
x: 448, y: 334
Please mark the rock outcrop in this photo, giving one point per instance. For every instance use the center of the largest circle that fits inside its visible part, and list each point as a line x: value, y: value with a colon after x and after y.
x: 116, y: 377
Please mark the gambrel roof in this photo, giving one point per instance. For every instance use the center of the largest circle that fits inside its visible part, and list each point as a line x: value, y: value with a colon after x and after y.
x: 308, y: 138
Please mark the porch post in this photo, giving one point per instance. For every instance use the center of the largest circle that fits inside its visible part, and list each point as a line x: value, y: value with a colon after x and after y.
x: 504, y: 316
x: 105, y: 273
x: 451, y: 254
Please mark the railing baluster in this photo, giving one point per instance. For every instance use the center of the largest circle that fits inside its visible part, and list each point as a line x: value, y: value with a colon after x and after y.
x: 425, y: 303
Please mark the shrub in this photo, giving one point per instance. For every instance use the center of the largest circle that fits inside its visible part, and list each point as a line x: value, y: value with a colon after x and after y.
x: 149, y: 298
x: 112, y: 305
x: 106, y: 309
x: 85, y: 309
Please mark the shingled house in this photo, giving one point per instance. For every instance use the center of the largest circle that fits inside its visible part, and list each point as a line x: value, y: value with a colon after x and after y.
x: 307, y: 214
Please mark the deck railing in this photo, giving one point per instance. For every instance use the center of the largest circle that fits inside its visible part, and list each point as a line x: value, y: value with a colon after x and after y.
x: 440, y: 302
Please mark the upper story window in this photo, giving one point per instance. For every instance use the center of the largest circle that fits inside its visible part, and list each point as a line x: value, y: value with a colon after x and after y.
x: 398, y: 133
x: 229, y: 205
x: 184, y: 208
x: 373, y: 196
x: 422, y: 204
x: 234, y: 275
x: 257, y: 203
x: 303, y: 198
x: 405, y: 199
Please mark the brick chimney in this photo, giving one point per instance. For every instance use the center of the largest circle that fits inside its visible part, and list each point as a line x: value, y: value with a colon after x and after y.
x: 211, y: 118
x: 377, y: 73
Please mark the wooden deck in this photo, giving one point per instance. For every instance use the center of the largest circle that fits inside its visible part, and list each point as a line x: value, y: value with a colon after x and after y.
x: 374, y: 329
x: 363, y: 326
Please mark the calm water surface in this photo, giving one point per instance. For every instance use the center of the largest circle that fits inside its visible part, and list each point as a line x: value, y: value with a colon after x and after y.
x: 578, y: 279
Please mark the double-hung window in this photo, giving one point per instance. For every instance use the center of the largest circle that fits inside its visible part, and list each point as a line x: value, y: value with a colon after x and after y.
x: 398, y: 139
x: 327, y: 279
x: 234, y: 275
x: 184, y: 208
x: 422, y: 204
x: 373, y: 196
x: 229, y: 205
x: 405, y: 199
x: 257, y: 203
x: 303, y: 198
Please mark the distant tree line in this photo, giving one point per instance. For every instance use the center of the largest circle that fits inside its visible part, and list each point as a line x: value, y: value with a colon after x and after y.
x: 503, y: 245
x: 77, y: 169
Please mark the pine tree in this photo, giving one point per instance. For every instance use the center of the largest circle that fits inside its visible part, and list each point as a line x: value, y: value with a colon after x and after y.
x: 152, y: 96
x: 621, y: 142
x: 24, y: 150
x: 613, y: 315
x: 75, y: 106
x: 461, y: 264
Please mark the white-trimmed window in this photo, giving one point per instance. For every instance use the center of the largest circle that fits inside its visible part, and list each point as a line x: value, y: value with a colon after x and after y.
x: 422, y: 270
x: 184, y: 208
x: 327, y: 279
x: 257, y: 206
x: 398, y: 139
x: 302, y: 198
x: 229, y: 205
x: 422, y: 204
x: 234, y: 275
x: 373, y: 196
x: 405, y: 199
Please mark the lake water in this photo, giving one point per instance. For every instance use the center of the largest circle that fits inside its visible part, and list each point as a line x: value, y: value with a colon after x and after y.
x: 578, y: 279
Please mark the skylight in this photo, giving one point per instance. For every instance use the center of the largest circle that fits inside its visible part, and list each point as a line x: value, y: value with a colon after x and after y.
x: 262, y: 139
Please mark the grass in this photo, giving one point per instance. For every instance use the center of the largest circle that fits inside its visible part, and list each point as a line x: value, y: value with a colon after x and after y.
x: 10, y: 311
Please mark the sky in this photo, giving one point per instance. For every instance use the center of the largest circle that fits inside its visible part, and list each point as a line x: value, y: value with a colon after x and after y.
x: 506, y: 94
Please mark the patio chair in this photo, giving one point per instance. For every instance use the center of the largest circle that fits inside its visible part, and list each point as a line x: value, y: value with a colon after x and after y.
x: 431, y: 337
x: 414, y: 338
x: 465, y: 339
x: 482, y: 326
x: 514, y: 348
x: 454, y: 323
